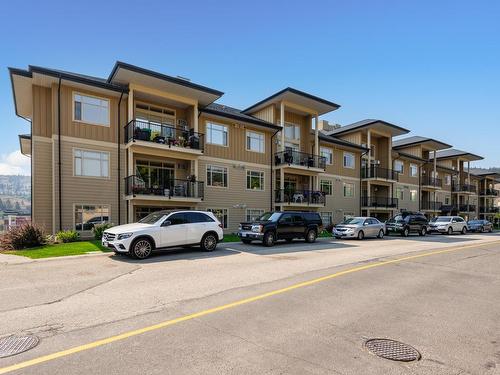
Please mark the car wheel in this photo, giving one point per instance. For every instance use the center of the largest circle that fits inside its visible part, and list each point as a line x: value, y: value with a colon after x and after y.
x: 142, y: 248
x: 406, y: 232
x: 464, y: 230
x: 361, y: 235
x: 311, y: 236
x: 423, y: 231
x: 269, y: 239
x: 246, y: 242
x: 381, y: 234
x: 208, y: 242
x: 450, y: 231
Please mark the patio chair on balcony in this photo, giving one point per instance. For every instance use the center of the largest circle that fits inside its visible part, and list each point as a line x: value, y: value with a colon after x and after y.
x: 288, y: 157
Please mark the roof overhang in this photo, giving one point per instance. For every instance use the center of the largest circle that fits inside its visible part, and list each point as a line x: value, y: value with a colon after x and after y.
x: 25, y: 144
x: 493, y: 175
x: 458, y: 154
x: 125, y: 74
x: 405, y: 155
x: 341, y: 142
x: 427, y: 143
x: 376, y: 125
x: 312, y: 104
x: 252, y: 121
x: 21, y: 82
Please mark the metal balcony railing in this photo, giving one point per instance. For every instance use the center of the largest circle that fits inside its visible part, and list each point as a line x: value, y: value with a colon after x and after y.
x: 431, y: 181
x: 299, y: 197
x: 168, y: 135
x: 466, y: 207
x: 463, y: 188
x: 379, y: 172
x: 431, y: 205
x: 292, y: 157
x: 491, y: 192
x: 172, y: 188
x: 380, y: 202
x: 489, y: 209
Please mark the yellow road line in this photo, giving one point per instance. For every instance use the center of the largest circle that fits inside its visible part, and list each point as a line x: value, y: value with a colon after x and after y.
x: 123, y: 336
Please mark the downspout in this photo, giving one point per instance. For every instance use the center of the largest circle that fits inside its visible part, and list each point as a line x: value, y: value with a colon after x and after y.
x: 271, y: 160
x: 31, y: 170
x: 361, y: 179
x: 59, y: 149
x: 119, y: 160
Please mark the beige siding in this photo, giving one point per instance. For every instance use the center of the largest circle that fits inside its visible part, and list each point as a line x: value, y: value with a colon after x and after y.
x: 42, y: 183
x: 336, y: 203
x: 406, y: 203
x: 266, y: 114
x: 42, y: 111
x: 414, y: 151
x: 352, y: 137
x: 405, y: 177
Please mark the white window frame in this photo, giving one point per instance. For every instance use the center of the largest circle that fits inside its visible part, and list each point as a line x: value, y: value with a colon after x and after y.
x: 447, y: 179
x: 82, y: 151
x: 262, y: 142
x: 353, y: 160
x: 262, y: 178
x: 353, y: 190
x: 413, y: 167
x: 329, y: 151
x: 329, y: 183
x: 82, y: 121
x: 447, y: 200
x: 400, y: 193
x: 75, y: 205
x: 247, y: 213
x: 208, y: 135
x: 225, y: 212
x: 296, y: 132
x: 413, y: 195
x: 399, y: 162
x: 210, y: 166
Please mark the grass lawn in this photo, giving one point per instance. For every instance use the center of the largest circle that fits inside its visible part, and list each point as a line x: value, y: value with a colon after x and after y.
x: 58, y: 250
x: 231, y: 238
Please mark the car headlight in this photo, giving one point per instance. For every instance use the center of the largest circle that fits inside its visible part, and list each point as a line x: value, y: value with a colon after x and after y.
x: 239, y: 227
x: 124, y: 236
x: 257, y: 228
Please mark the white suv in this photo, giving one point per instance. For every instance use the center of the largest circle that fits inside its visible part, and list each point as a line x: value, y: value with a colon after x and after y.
x: 165, y: 229
x: 448, y: 224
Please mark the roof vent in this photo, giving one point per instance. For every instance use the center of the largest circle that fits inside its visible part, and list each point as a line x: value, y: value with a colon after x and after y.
x: 184, y: 78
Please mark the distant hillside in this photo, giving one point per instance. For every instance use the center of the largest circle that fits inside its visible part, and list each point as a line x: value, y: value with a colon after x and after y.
x: 483, y: 170
x: 15, y: 194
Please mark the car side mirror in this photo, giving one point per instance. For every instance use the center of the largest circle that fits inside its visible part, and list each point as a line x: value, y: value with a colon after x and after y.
x: 166, y: 223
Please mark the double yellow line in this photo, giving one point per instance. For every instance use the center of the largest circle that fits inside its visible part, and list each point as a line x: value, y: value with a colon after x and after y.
x: 167, y: 323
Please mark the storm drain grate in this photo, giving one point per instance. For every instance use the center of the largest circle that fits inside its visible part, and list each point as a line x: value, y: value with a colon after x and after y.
x: 393, y: 350
x: 13, y: 345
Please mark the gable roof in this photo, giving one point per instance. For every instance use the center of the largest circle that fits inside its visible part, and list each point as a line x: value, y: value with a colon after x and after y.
x: 418, y: 140
x: 313, y: 102
x: 341, y: 142
x: 236, y: 114
x: 395, y: 129
x: 455, y: 153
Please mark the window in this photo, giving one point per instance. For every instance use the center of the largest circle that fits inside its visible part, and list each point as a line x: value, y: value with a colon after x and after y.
x: 399, y: 166
x: 447, y: 200
x: 216, y: 176
x: 86, y: 216
x: 90, y: 109
x: 413, y: 195
x: 220, y: 214
x: 255, y: 180
x: 327, y: 153
x: 349, y: 160
x: 255, y: 142
x: 197, y: 217
x: 348, y: 189
x: 413, y: 170
x: 91, y: 163
x: 400, y: 193
x: 348, y: 215
x: 253, y: 214
x: 216, y: 134
x: 326, y: 218
x: 447, y: 179
x: 326, y: 187
x: 292, y: 132
x: 176, y: 219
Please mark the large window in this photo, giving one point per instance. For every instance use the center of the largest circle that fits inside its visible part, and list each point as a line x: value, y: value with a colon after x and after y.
x: 349, y: 160
x: 400, y: 193
x: 255, y: 180
x: 89, y: 163
x: 399, y: 166
x: 348, y: 189
x: 255, y: 142
x: 90, y: 109
x: 216, y: 176
x: 87, y: 216
x: 327, y: 153
x: 413, y: 170
x: 327, y: 218
x: 326, y: 187
x: 292, y: 132
x: 447, y: 179
x: 220, y: 214
x: 413, y: 195
x: 253, y: 214
x: 216, y: 134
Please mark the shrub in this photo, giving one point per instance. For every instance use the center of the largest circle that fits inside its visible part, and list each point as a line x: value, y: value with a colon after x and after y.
x: 99, y: 229
x: 67, y: 236
x: 23, y: 237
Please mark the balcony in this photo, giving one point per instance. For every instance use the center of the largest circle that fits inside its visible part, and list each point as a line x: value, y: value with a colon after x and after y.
x: 489, y: 192
x: 467, y: 208
x: 173, y: 189
x: 431, y: 206
x: 379, y: 173
x: 300, y: 160
x: 299, y: 198
x: 489, y: 209
x: 379, y: 202
x: 463, y: 188
x: 431, y: 182
x: 164, y: 136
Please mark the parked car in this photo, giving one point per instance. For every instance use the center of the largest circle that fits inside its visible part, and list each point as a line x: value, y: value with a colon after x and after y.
x: 165, y: 229
x: 405, y: 223
x: 359, y: 227
x: 448, y: 224
x: 275, y: 226
x: 480, y: 226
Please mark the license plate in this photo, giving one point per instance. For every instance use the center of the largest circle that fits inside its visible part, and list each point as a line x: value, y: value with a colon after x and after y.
x: 243, y: 234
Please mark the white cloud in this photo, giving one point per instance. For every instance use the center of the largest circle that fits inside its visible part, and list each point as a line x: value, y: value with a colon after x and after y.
x: 15, y: 163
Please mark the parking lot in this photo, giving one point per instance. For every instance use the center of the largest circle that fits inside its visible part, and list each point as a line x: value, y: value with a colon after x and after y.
x: 317, y: 328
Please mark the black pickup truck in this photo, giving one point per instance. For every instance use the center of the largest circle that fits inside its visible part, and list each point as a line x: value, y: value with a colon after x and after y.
x: 288, y: 225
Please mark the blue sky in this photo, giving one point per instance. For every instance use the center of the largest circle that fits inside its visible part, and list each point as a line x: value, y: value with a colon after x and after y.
x: 430, y: 66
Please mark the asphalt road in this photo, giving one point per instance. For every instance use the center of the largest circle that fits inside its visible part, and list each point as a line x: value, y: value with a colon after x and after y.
x: 291, y: 309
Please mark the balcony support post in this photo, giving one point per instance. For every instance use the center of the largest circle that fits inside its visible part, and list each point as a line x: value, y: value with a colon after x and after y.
x: 195, y: 118
x: 282, y: 184
x: 316, y: 135
x: 282, y: 123
x: 130, y: 113
x: 369, y: 146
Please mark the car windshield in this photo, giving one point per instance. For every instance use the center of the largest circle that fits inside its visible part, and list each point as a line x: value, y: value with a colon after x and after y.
x: 397, y: 219
x: 475, y: 222
x: 270, y: 216
x: 152, y: 218
x: 353, y: 221
x: 440, y: 220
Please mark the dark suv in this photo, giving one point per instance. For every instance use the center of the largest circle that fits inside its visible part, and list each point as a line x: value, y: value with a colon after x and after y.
x: 274, y: 226
x: 405, y: 223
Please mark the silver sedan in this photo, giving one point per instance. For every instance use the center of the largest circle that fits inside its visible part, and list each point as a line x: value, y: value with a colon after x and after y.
x: 359, y: 227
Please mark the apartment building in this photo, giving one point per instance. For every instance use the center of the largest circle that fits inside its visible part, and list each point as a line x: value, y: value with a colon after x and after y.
x: 488, y: 195
x: 115, y: 149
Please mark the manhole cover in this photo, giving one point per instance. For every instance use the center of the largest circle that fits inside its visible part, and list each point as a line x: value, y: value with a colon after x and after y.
x: 13, y: 345
x: 393, y: 350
